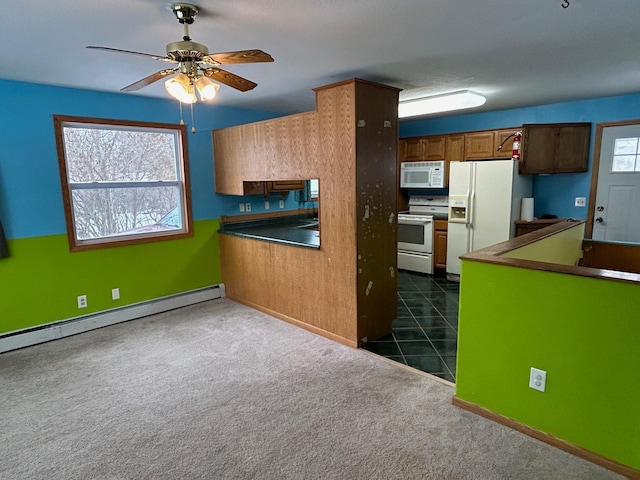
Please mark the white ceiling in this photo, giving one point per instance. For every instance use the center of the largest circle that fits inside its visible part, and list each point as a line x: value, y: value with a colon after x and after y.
x: 516, y: 53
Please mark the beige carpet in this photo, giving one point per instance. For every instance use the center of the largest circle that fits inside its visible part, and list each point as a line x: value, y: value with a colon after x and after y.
x: 220, y: 391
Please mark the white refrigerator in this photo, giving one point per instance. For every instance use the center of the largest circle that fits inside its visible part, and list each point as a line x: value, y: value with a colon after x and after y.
x: 484, y: 202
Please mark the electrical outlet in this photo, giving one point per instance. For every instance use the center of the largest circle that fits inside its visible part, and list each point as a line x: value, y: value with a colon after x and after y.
x: 581, y: 202
x: 537, y: 379
x: 82, y: 301
x: 247, y: 207
x: 115, y: 293
x: 242, y: 207
x: 281, y: 203
x: 266, y: 205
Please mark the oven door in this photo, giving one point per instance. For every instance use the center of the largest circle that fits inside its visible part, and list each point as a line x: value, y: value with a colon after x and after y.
x: 415, y: 233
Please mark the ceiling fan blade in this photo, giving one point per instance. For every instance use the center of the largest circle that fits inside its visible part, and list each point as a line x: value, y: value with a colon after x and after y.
x: 229, y: 79
x: 155, y: 57
x: 241, y: 56
x: 148, y: 80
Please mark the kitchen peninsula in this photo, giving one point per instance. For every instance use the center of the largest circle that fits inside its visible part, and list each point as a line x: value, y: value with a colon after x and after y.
x: 346, y: 288
x: 533, y: 301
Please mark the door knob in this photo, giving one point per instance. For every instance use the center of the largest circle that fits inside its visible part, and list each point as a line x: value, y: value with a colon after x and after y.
x: 599, y: 220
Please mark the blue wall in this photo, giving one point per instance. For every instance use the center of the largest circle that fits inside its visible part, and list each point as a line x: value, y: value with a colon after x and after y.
x: 30, y: 192
x: 553, y: 194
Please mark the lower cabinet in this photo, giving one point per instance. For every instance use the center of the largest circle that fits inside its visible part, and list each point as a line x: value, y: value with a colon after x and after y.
x: 440, y: 244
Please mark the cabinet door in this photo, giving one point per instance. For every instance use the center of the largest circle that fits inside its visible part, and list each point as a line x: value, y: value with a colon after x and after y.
x: 440, y: 249
x: 507, y: 148
x: 228, y: 160
x: 538, y: 149
x: 434, y: 148
x: 479, y: 145
x: 455, y: 148
x: 254, y: 188
x: 555, y: 148
x: 285, y: 185
x: 572, y: 152
x: 411, y: 149
x: 454, y: 152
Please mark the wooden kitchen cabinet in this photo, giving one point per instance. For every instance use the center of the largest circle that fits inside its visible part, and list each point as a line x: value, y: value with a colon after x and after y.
x: 507, y: 137
x: 250, y: 159
x: 434, y: 148
x: 555, y: 148
x: 454, y: 152
x: 440, y: 244
x: 272, y: 187
x: 422, y: 149
x: 279, y: 186
x: 479, y: 145
x: 411, y: 149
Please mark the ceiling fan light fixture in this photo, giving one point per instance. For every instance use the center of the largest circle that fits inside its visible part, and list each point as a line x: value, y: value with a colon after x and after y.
x: 181, y: 88
x: 440, y: 103
x: 206, y: 88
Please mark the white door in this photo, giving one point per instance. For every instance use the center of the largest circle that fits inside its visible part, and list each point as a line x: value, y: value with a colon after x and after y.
x: 617, y: 207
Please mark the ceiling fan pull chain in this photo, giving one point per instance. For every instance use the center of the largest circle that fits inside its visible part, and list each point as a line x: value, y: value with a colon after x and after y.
x: 193, y: 123
x: 181, y: 120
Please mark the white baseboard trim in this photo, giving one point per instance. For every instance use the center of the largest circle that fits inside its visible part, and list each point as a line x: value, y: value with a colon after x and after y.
x: 73, y: 326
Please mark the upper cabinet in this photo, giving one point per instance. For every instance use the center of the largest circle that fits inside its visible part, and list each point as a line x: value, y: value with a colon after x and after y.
x: 254, y: 158
x: 454, y: 149
x: 489, y: 144
x: 555, y: 148
x: 411, y: 149
x: 434, y: 148
x: 479, y: 145
x: 503, y: 146
x: 421, y: 149
x: 457, y: 147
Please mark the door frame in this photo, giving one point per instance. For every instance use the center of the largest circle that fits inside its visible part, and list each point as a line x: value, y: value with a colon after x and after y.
x: 595, y: 170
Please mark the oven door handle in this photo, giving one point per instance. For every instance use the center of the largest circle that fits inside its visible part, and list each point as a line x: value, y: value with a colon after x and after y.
x: 414, y: 221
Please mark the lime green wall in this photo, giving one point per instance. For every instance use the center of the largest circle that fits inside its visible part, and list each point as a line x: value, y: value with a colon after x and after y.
x: 44, y: 278
x: 584, y: 332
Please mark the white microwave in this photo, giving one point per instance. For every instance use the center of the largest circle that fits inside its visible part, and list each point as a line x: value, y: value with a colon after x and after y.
x: 422, y: 174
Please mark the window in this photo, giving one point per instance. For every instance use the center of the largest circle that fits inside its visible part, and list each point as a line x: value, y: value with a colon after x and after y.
x: 626, y: 155
x: 123, y: 182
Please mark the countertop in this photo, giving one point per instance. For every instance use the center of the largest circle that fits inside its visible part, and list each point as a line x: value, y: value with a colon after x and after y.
x: 295, y: 230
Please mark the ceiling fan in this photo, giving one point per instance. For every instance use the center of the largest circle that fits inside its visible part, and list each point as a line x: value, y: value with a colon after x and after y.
x: 196, y: 66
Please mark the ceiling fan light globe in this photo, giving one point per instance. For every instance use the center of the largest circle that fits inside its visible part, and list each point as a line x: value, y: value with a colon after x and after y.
x: 181, y: 88
x: 206, y: 88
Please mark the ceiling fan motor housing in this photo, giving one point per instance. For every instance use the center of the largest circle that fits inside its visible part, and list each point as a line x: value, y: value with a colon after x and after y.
x: 186, y: 51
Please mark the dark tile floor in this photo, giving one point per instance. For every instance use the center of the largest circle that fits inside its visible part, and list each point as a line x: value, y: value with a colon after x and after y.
x: 425, y: 334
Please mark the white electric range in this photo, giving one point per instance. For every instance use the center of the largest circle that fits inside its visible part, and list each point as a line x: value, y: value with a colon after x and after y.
x: 415, y: 232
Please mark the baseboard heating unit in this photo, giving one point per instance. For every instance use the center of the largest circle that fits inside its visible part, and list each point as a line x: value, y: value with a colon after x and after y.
x: 73, y: 326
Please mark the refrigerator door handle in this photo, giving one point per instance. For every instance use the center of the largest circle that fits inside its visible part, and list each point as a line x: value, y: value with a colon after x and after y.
x: 472, y: 207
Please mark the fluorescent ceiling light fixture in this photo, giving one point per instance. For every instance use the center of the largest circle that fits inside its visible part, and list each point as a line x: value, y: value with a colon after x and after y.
x: 440, y: 103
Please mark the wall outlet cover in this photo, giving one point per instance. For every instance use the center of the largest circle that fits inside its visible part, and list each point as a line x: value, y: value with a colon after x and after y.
x: 537, y: 379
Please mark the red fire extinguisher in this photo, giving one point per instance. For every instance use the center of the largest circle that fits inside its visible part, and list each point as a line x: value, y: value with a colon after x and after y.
x: 515, y: 152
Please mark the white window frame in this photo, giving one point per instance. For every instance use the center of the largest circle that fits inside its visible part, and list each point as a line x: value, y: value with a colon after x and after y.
x: 181, y: 182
